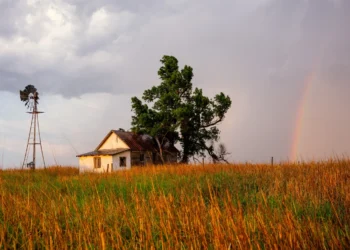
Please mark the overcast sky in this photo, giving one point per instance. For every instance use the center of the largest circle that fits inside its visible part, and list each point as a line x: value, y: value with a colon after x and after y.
x: 89, y: 57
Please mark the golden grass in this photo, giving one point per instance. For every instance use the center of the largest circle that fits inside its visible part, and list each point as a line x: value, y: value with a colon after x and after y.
x: 241, y: 206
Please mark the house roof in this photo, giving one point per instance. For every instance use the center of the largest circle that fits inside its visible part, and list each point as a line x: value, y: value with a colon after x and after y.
x: 136, y: 142
x: 105, y: 152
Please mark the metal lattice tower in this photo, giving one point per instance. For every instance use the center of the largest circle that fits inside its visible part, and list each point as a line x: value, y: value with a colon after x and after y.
x: 34, y: 138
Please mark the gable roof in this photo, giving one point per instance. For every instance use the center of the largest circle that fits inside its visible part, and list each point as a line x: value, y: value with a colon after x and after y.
x: 136, y: 142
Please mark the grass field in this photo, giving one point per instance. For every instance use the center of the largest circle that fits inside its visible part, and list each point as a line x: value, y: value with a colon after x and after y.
x: 179, y: 207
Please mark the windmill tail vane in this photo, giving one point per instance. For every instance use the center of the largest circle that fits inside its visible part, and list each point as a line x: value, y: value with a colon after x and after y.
x: 30, y: 97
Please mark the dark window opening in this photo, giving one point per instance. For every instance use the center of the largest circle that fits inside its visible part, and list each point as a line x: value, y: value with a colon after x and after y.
x: 122, y: 161
x: 97, y: 162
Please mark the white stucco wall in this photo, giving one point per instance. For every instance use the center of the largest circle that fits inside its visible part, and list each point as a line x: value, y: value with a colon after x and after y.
x: 113, y: 142
x: 116, y: 161
x: 86, y: 164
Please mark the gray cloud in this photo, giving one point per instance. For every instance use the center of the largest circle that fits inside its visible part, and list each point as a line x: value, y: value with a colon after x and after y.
x: 8, y: 11
x: 68, y: 46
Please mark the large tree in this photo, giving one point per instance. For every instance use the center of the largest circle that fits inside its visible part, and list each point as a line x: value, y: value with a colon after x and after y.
x: 173, y: 112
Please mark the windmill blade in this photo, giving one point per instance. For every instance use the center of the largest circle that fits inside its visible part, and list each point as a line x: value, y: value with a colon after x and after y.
x: 23, y: 95
x: 28, y: 94
x: 30, y: 89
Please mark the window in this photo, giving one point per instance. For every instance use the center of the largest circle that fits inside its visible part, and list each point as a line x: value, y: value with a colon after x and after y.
x: 97, y: 162
x: 122, y: 161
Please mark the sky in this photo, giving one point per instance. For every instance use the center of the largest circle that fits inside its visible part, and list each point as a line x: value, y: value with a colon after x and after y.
x: 285, y: 64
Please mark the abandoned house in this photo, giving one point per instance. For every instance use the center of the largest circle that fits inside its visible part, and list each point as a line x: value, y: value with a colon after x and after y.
x: 121, y: 150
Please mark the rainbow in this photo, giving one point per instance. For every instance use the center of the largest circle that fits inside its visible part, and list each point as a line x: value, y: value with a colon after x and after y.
x: 300, y: 117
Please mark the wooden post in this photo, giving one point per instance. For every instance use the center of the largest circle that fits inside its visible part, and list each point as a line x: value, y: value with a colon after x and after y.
x: 272, y: 161
x: 203, y: 161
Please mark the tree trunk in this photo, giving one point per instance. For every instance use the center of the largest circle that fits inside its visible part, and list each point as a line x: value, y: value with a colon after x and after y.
x: 185, y: 159
x: 186, y: 154
x: 160, y: 150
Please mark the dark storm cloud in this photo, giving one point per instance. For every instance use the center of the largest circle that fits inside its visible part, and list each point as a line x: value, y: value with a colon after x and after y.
x: 67, y: 86
x: 266, y: 45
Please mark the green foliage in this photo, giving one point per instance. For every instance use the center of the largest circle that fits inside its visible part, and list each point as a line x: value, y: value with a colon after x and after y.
x: 179, y: 113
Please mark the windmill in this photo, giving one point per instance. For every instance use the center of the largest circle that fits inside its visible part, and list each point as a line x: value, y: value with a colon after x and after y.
x: 30, y: 97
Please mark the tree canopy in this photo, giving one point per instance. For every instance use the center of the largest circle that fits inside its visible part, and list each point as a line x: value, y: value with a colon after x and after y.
x: 175, y: 112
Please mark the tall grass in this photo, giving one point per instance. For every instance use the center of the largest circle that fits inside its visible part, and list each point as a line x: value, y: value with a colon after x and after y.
x: 216, y: 207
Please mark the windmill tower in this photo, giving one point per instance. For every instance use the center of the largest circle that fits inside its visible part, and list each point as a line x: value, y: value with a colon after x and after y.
x: 30, y: 97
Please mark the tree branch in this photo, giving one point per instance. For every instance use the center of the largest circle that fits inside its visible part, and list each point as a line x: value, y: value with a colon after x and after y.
x: 212, y: 124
